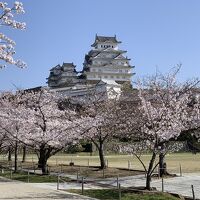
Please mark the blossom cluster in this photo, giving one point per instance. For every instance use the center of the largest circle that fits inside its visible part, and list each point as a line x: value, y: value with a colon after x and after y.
x: 34, y: 119
x: 6, y: 44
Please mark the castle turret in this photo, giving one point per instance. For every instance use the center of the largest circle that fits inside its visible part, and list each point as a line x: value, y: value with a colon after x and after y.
x: 106, y: 62
x: 62, y: 76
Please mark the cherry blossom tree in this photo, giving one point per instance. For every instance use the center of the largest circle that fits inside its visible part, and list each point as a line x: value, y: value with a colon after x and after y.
x: 37, y: 121
x: 159, y: 117
x: 3, y: 140
x: 193, y: 123
x: 13, y: 117
x: 102, y: 119
x: 50, y: 128
x: 7, y: 45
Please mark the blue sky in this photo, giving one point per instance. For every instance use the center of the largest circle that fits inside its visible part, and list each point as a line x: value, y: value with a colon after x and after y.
x: 155, y: 33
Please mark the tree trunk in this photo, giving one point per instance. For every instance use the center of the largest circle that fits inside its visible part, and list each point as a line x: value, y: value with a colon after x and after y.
x: 16, y: 155
x: 42, y: 161
x: 101, y: 156
x: 149, y: 172
x: 24, y: 154
x: 148, y: 181
x: 162, y: 165
x: 9, y: 154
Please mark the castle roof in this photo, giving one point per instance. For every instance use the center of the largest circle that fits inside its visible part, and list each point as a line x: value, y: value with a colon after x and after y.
x: 95, y: 52
x: 56, y: 67
x: 59, y: 67
x: 104, y: 39
x: 69, y: 64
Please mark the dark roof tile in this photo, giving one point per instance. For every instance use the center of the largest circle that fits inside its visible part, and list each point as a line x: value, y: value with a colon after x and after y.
x: 105, y: 39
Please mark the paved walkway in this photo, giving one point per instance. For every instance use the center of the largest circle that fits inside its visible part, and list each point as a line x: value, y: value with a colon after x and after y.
x: 18, y: 190
x: 179, y: 185
x: 12, y: 190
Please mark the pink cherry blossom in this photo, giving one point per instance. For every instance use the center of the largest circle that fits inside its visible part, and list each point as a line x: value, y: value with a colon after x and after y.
x: 6, y: 44
x: 34, y: 119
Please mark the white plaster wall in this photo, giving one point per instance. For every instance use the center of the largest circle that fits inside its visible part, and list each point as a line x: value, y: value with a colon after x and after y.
x: 99, y: 76
x: 115, y: 46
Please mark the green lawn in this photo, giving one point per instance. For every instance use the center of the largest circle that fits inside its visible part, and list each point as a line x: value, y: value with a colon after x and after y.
x: 108, y: 194
x: 32, y: 178
x: 189, y: 162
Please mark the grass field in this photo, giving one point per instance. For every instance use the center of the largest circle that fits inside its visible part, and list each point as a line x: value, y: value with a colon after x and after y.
x: 189, y: 162
x: 31, y: 178
x: 114, y: 195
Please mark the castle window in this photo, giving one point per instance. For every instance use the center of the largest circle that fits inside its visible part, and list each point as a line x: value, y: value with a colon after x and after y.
x: 111, y: 76
x: 105, y: 76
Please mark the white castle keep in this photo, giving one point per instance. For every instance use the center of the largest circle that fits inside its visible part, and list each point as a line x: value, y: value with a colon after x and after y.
x: 105, y: 68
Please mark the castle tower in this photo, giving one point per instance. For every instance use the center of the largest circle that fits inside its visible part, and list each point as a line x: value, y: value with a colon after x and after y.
x: 62, y: 76
x: 106, y: 62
